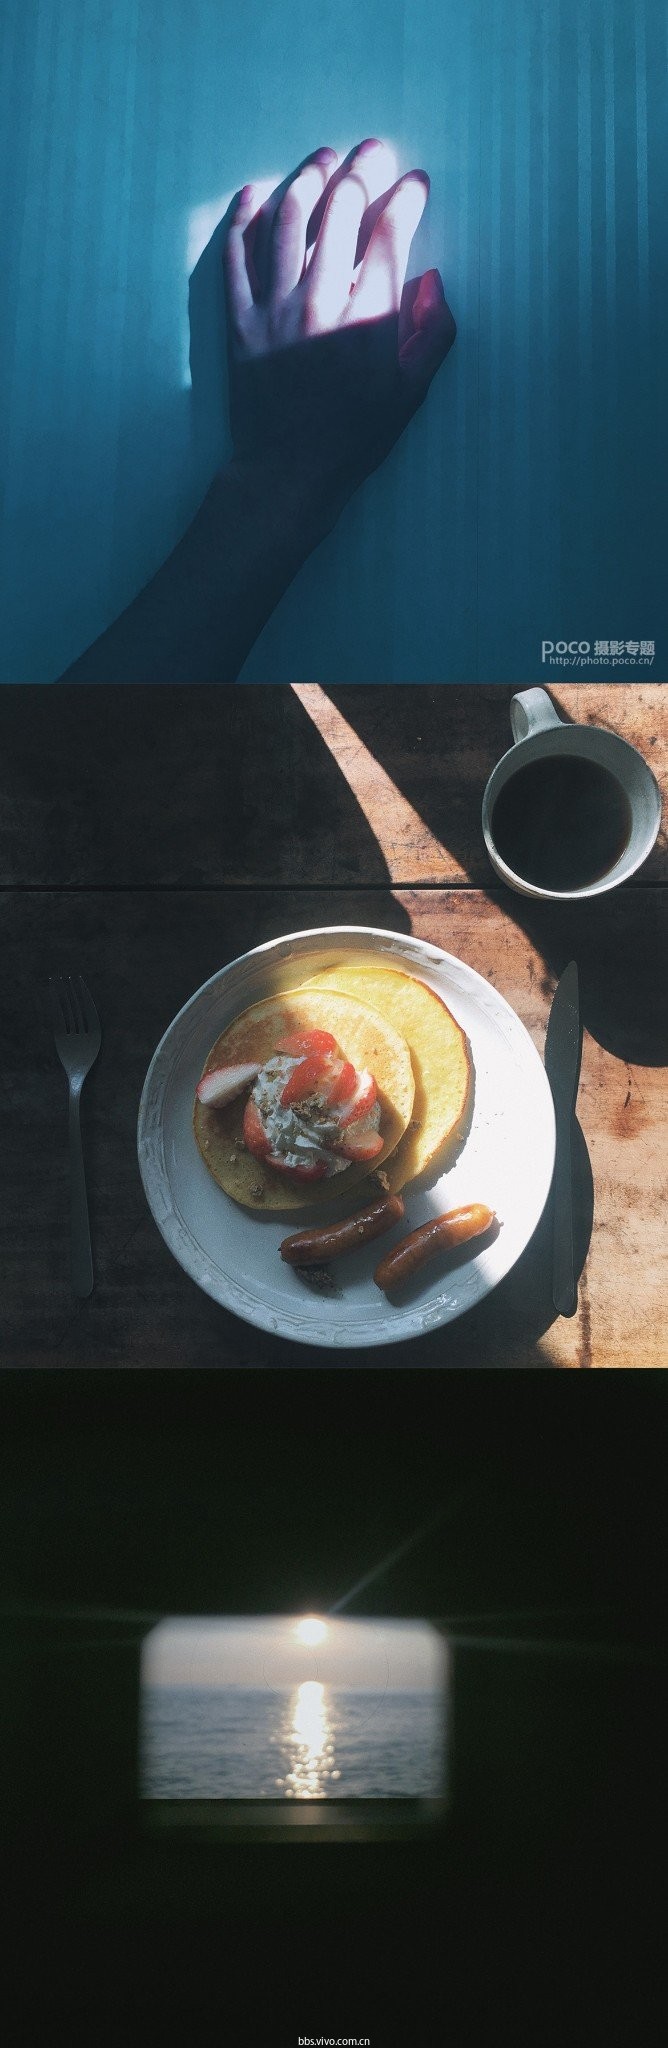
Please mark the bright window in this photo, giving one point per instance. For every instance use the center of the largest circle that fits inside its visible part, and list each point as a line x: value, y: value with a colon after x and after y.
x: 293, y: 1707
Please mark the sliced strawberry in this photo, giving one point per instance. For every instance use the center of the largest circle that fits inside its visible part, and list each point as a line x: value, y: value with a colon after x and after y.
x: 315, y: 1170
x: 306, y: 1079
x: 361, y: 1101
x: 358, y: 1144
x: 255, y: 1136
x: 222, y: 1084
x: 297, y: 1042
x: 342, y: 1085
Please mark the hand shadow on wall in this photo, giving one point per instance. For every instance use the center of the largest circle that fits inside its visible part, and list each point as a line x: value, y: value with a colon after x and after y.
x: 169, y: 443
x: 209, y: 405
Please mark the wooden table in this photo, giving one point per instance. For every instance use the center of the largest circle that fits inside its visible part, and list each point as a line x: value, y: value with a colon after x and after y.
x: 147, y: 836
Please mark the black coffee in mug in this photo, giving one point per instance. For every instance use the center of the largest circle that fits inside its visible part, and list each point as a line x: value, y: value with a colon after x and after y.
x: 561, y: 822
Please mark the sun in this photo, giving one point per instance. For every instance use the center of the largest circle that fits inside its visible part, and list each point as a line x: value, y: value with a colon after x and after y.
x: 310, y: 1631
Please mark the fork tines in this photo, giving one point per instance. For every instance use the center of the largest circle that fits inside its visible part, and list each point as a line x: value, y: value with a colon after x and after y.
x: 72, y: 1006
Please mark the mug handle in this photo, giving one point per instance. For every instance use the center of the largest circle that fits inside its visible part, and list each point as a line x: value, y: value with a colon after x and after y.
x: 532, y: 711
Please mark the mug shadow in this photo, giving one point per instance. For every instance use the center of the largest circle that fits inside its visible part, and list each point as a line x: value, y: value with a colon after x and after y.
x: 621, y: 964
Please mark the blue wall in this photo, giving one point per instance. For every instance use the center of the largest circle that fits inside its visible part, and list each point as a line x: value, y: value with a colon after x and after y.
x: 527, y: 499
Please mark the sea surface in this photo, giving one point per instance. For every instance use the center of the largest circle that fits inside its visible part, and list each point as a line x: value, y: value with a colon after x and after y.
x: 313, y: 1741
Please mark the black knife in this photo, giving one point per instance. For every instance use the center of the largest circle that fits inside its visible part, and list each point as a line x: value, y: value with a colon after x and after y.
x: 563, y: 1053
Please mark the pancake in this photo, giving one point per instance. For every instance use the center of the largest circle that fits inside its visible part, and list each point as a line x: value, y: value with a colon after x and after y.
x: 440, y: 1055
x: 365, y: 1037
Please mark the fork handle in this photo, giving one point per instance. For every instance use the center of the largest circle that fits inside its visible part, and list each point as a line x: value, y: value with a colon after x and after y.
x: 82, y: 1257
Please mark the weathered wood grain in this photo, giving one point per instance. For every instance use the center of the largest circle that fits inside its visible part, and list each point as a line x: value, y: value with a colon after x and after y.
x: 200, y: 787
x: 144, y: 952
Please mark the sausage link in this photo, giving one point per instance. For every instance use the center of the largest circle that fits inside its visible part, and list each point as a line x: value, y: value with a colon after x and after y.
x: 316, y: 1247
x: 440, y: 1234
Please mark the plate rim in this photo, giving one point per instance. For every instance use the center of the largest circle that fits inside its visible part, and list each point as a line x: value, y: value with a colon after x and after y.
x: 273, y: 1322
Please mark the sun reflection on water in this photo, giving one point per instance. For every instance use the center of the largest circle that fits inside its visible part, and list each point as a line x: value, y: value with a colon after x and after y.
x: 309, y: 1742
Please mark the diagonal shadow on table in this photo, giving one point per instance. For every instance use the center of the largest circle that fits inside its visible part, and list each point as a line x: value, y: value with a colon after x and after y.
x: 197, y: 788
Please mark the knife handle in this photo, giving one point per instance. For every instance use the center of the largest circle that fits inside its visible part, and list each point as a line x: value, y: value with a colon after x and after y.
x: 564, y: 1283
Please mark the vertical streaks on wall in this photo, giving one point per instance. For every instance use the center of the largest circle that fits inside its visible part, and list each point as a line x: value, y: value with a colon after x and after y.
x: 436, y: 498
x: 571, y: 515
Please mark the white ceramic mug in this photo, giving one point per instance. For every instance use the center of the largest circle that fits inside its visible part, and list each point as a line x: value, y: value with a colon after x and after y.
x: 539, y: 733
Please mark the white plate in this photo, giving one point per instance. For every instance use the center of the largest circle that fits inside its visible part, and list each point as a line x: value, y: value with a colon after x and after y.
x: 506, y: 1160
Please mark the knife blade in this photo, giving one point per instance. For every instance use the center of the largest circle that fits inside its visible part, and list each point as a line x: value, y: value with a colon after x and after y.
x: 563, y: 1053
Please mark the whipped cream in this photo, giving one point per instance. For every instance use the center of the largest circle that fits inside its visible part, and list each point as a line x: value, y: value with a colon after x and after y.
x: 305, y: 1131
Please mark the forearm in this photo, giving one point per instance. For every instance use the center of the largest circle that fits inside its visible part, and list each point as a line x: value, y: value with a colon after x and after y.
x: 198, y: 618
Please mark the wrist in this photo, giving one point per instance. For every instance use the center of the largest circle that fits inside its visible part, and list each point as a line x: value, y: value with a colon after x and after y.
x: 288, y: 507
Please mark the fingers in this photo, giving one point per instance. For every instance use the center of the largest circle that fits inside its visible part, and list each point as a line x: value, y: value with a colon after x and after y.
x: 353, y: 223
x: 373, y: 163
x: 383, y: 270
x: 432, y: 336
x: 260, y: 235
x: 339, y: 225
x: 237, y: 282
x: 332, y: 264
x: 287, y: 248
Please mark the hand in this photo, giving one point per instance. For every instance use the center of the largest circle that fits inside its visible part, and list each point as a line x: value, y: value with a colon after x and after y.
x: 331, y: 351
